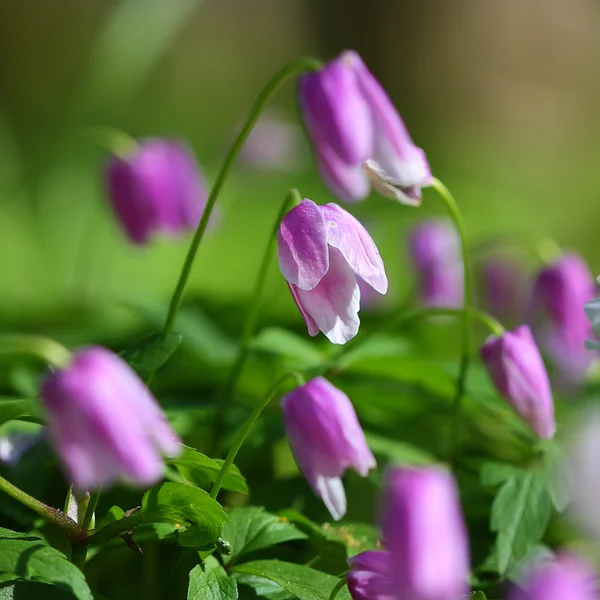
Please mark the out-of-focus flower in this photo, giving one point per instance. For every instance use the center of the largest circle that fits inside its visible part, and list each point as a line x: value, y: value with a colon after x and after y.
x: 157, y: 188
x: 274, y: 145
x: 502, y: 283
x: 515, y: 365
x: 370, y: 576
x: 592, y: 311
x: 435, y: 250
x: 326, y: 439
x: 557, y: 316
x: 583, y: 473
x: 566, y: 578
x: 358, y: 135
x: 424, y: 531
x: 14, y: 445
x: 104, y: 423
x: 322, y: 250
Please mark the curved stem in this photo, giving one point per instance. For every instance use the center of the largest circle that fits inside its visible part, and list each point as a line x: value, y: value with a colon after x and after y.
x: 456, y: 216
x: 247, y: 426
x: 54, y: 515
x: 35, y: 345
x: 291, y: 70
x: 90, y: 509
x: 293, y: 197
x: 337, y: 587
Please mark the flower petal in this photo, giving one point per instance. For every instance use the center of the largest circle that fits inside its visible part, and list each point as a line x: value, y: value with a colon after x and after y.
x: 349, y: 236
x: 334, y: 303
x: 388, y: 186
x: 302, y: 246
x: 331, y: 490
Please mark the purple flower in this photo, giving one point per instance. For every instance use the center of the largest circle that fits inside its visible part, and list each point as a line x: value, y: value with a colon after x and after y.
x: 436, y: 254
x: 557, y: 316
x: 358, y: 135
x: 518, y: 372
x: 370, y: 576
x: 104, y: 423
x: 274, y: 144
x: 321, y: 250
x: 326, y: 439
x: 583, y: 473
x: 502, y: 287
x: 424, y: 531
x: 566, y: 578
x: 156, y: 189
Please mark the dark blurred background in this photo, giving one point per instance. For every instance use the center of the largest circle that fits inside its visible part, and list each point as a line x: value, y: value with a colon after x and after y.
x: 502, y: 96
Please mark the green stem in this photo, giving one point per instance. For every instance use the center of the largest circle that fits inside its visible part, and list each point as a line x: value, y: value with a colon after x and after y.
x: 112, y: 529
x: 90, y: 509
x: 292, y: 198
x: 291, y: 70
x: 337, y: 587
x: 247, y: 426
x: 35, y: 345
x: 52, y: 514
x: 456, y: 216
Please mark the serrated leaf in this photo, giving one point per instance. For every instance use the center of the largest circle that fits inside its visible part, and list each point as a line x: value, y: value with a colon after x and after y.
x: 151, y: 353
x: 209, y: 581
x: 183, y: 504
x: 202, y: 471
x: 32, y: 590
x: 31, y: 559
x: 263, y: 588
x: 252, y: 528
x: 330, y: 546
x: 520, y: 515
x: 303, y: 582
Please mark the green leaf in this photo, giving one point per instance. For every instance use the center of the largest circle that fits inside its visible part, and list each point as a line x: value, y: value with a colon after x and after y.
x: 32, y: 590
x: 520, y: 512
x: 252, y: 528
x: 475, y: 596
x: 14, y: 409
x: 287, y: 344
x: 264, y: 588
x: 398, y: 452
x: 330, y: 546
x: 183, y: 504
x: 201, y: 471
x: 303, y: 582
x: 375, y: 347
x: 209, y: 581
x: 30, y: 559
x: 151, y: 353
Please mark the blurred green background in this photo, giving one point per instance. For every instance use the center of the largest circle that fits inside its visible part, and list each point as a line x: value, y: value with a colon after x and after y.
x: 501, y: 95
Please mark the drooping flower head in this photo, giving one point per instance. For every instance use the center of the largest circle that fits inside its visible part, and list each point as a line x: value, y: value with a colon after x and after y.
x: 157, y: 188
x: 326, y: 439
x: 104, y: 423
x: 502, y: 287
x: 515, y: 365
x: 557, y: 316
x: 370, y: 576
x: 358, y: 136
x: 321, y: 251
x: 566, y: 578
x: 435, y: 251
x: 425, y: 534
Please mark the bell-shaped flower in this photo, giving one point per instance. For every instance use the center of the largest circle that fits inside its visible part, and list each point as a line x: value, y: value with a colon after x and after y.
x: 326, y: 440
x: 156, y: 188
x: 104, y: 423
x: 322, y: 250
x: 515, y: 365
x: 436, y: 255
x: 425, y: 534
x: 370, y: 576
x: 568, y: 577
x: 557, y: 315
x: 358, y: 136
x: 502, y: 287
